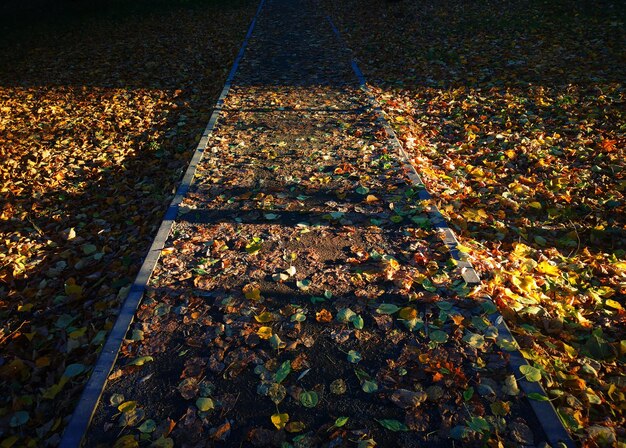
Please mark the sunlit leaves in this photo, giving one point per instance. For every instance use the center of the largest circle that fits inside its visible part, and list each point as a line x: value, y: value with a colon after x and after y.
x: 265, y: 332
x: 254, y: 245
x: 280, y: 420
x: 252, y: 292
x: 530, y: 373
x: 340, y: 421
x: 264, y: 317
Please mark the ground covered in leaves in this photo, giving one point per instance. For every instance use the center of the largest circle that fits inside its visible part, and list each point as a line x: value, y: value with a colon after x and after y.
x: 514, y: 113
x: 303, y: 298
x: 98, y: 118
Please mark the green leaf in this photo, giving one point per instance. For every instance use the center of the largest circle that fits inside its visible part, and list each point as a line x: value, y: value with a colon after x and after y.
x: 341, y: 421
x: 460, y: 432
x: 137, y: 335
x: 148, y: 426
x: 282, y: 372
x: 74, y: 370
x: 275, y: 342
x: 474, y: 340
x: 344, y: 315
x: 478, y: 424
x: 354, y: 356
x: 438, y: 336
x: 357, y: 321
x: 468, y: 394
x: 392, y: 425
x: 443, y: 305
x: 140, y: 361
x: 387, y: 308
x: 598, y: 348
x: 537, y: 397
x: 532, y: 374
x: 506, y: 344
x: 205, y: 404
x: 428, y: 286
x: 489, y: 307
x: 309, y: 399
x: 362, y: 190
x: 369, y: 386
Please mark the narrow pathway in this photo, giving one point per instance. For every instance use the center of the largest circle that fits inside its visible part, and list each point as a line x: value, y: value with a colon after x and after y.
x: 303, y: 287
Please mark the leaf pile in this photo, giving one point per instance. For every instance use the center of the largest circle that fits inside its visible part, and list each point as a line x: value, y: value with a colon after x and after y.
x: 97, y: 122
x: 514, y: 113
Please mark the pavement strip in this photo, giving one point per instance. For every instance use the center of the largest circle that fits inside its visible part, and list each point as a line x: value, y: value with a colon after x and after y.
x: 299, y: 211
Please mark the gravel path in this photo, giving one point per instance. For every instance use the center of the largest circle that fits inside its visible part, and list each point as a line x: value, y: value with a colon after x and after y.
x: 303, y: 296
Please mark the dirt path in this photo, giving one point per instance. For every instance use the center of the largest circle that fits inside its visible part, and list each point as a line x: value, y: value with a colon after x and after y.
x: 303, y: 286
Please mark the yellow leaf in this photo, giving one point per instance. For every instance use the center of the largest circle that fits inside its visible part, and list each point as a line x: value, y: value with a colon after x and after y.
x: 127, y: 406
x: 252, y: 292
x: 463, y: 248
x: 521, y: 250
x: 295, y: 426
x: 371, y: 198
x: 280, y: 420
x: 407, y: 313
x: 264, y: 317
x: 613, y: 304
x: 535, y: 205
x: 570, y: 350
x: 265, y: 332
x: 620, y: 265
x: 526, y: 283
x: 546, y: 268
